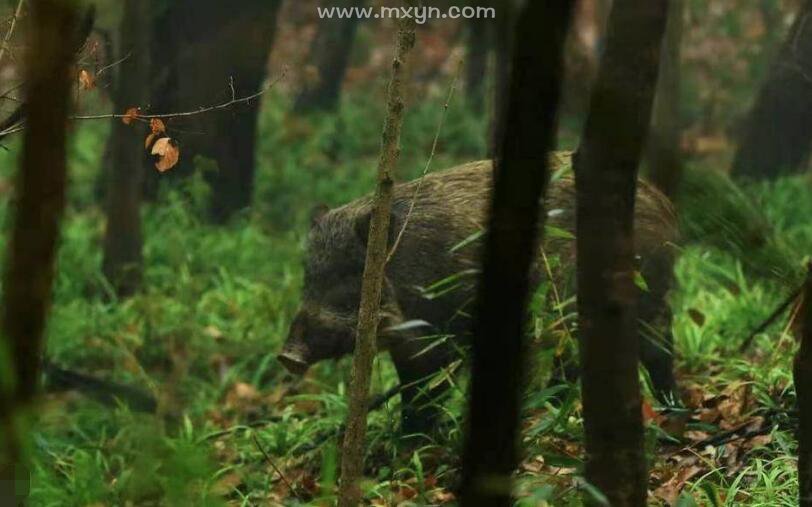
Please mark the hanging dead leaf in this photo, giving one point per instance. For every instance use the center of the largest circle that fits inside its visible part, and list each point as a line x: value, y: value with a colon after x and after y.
x: 157, y: 126
x: 167, y: 151
x: 86, y: 80
x: 149, y: 140
x: 131, y: 115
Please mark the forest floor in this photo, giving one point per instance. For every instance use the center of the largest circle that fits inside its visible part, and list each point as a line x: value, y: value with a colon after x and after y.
x: 234, y: 429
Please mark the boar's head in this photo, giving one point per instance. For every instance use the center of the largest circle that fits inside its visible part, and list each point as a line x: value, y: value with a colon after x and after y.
x: 325, y: 324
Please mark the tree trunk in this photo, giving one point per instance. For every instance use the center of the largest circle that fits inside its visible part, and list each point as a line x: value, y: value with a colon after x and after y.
x: 222, y: 52
x: 664, y: 150
x: 606, y: 177
x: 352, y: 458
x: 40, y: 190
x: 476, y: 62
x: 777, y: 134
x: 122, y: 263
x: 521, y: 176
x: 802, y: 374
x: 329, y: 56
x: 163, y: 86
x: 503, y: 45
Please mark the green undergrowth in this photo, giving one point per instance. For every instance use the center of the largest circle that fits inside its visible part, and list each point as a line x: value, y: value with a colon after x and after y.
x: 234, y: 429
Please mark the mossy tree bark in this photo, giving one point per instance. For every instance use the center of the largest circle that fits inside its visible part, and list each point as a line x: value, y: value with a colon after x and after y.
x: 777, y: 134
x: 122, y: 264
x: 664, y: 152
x: 329, y: 56
x: 40, y: 191
x: 521, y: 176
x: 606, y: 177
x: 802, y: 373
x: 352, y: 458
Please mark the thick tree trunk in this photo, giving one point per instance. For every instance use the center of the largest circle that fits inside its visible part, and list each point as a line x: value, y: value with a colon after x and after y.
x: 163, y: 85
x: 802, y: 374
x: 122, y: 263
x: 664, y: 150
x: 606, y: 177
x: 329, y: 56
x: 521, y: 176
x: 503, y: 46
x: 476, y: 62
x: 777, y: 134
x: 222, y: 52
x: 352, y: 457
x: 40, y: 190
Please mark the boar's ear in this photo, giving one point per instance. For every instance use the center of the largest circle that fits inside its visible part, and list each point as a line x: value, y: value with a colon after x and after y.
x: 363, y: 221
x: 317, y: 213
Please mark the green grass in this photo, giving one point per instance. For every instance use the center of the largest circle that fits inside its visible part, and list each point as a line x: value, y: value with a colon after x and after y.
x: 215, y: 309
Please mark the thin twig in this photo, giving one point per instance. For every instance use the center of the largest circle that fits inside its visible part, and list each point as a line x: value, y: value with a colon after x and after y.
x: 451, y: 90
x: 17, y: 12
x: 144, y: 118
x: 794, y: 295
x: 290, y: 487
x: 202, y: 110
x: 117, y: 62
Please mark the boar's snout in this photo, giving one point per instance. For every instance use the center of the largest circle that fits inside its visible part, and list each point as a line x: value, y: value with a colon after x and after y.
x: 293, y: 362
x: 295, y: 355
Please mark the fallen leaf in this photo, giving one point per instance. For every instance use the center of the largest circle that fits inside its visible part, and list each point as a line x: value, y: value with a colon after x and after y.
x: 670, y: 490
x: 649, y: 414
x: 168, y: 153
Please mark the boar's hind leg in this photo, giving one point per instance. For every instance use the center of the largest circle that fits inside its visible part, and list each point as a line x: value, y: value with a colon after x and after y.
x: 656, y: 340
x: 415, y: 366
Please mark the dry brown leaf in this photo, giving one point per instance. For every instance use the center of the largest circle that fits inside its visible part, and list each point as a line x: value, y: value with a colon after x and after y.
x: 149, y: 140
x: 130, y: 115
x: 167, y: 151
x: 86, y: 80
x: 649, y: 414
x: 442, y: 496
x: 157, y: 126
x: 669, y: 492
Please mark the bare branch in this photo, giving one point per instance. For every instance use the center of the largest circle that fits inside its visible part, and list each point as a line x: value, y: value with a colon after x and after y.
x: 10, y: 32
x: 144, y: 118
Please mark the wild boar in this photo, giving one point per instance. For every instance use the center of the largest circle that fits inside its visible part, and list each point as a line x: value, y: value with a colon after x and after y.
x: 439, y: 242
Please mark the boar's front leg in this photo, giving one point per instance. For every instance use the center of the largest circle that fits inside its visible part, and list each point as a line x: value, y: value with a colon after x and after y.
x: 654, y: 313
x: 416, y: 365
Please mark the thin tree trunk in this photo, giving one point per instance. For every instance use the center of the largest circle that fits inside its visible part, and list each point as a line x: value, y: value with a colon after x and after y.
x: 802, y: 374
x: 664, y: 150
x: 778, y: 132
x: 40, y: 190
x: 606, y: 177
x: 476, y: 62
x: 352, y: 458
x: 330, y: 55
x: 521, y: 176
x: 122, y: 263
